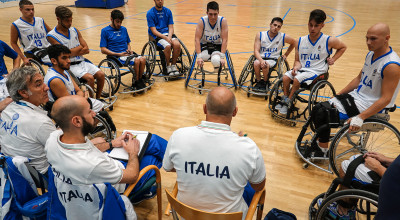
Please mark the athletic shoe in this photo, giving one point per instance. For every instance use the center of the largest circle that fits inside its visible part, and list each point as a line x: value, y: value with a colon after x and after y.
x: 283, y: 110
x: 169, y: 70
x: 333, y: 212
x: 141, y: 84
x: 278, y: 107
x: 174, y: 70
x: 258, y: 86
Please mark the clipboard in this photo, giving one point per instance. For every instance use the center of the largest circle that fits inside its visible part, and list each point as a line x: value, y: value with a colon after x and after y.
x: 144, y: 139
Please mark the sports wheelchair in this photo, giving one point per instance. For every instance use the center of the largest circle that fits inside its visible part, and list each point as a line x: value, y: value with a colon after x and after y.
x: 112, y: 67
x: 222, y: 70
x: 376, y: 134
x: 303, y: 99
x: 275, y: 73
x: 150, y: 50
x: 360, y: 199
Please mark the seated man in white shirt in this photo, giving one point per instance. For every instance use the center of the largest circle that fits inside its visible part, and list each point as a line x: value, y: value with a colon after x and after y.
x: 213, y: 163
x: 27, y: 126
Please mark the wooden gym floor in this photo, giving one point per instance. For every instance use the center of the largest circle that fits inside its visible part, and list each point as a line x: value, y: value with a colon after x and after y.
x: 168, y: 105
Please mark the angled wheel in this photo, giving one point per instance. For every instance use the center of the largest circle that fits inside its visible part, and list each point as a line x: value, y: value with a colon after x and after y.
x: 111, y: 69
x: 35, y: 64
x: 231, y: 69
x: 375, y: 135
x: 247, y: 69
x: 191, y: 70
x: 184, y: 61
x: 102, y: 129
x: 366, y: 204
x: 149, y: 52
x: 275, y: 96
x: 321, y: 91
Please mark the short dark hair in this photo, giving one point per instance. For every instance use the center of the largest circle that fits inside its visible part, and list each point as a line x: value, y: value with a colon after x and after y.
x: 117, y: 14
x: 278, y: 19
x: 213, y: 5
x: 56, y: 50
x: 22, y: 3
x: 63, y: 12
x: 318, y: 16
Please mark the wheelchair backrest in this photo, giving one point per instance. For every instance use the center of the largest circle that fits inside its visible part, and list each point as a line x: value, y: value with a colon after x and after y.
x: 95, y: 201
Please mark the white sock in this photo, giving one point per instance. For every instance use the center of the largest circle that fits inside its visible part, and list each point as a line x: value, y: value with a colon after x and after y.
x: 322, y: 148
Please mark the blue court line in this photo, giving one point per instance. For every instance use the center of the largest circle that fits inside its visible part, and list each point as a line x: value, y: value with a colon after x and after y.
x: 286, y: 14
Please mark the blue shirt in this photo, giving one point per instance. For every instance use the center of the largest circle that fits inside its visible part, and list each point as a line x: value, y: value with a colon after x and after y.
x: 116, y: 40
x: 5, y: 50
x: 159, y: 19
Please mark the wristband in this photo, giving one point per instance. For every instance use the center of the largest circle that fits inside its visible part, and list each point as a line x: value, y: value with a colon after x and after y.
x: 356, y: 121
x: 109, y: 142
x: 198, y: 55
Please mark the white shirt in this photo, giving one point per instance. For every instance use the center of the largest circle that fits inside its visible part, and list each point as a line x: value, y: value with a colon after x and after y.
x: 83, y: 163
x: 70, y: 41
x: 24, y: 131
x: 32, y: 35
x: 369, y: 89
x: 211, y: 34
x: 271, y: 48
x: 313, y: 55
x: 213, y: 165
x: 67, y: 80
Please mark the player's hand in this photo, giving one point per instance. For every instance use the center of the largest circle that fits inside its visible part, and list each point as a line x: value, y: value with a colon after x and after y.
x: 330, y: 61
x: 26, y: 61
x: 117, y: 142
x: 123, y: 54
x: 200, y: 62
x: 284, y: 57
x: 264, y: 64
x: 222, y: 61
x: 131, y: 144
x: 378, y: 156
x: 169, y: 39
x: 294, y: 71
x: 372, y: 164
x: 355, y: 123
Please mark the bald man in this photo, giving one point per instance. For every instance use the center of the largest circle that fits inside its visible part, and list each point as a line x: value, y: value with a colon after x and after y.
x: 372, y: 91
x: 213, y: 163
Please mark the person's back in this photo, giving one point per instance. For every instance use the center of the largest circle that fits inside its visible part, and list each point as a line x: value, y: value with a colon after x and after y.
x: 217, y: 164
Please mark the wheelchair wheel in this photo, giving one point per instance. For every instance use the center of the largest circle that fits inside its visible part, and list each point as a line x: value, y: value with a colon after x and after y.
x: 111, y: 70
x: 108, y: 88
x: 102, y: 129
x: 275, y: 96
x: 374, y: 135
x: 365, y: 207
x: 35, y: 64
x: 149, y: 52
x: 248, y: 68
x: 191, y: 70
x: 231, y: 69
x: 184, y: 61
x: 322, y: 91
x: 313, y: 209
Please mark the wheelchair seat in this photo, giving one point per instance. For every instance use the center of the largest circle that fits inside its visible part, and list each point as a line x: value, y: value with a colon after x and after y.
x: 309, y: 86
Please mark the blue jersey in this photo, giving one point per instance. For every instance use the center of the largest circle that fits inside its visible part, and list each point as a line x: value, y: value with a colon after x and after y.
x: 116, y: 40
x: 5, y: 50
x: 159, y: 19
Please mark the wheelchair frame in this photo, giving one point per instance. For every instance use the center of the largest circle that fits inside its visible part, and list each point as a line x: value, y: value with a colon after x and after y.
x: 200, y: 86
x: 281, y: 67
x: 115, y: 78
x: 294, y: 113
x: 150, y: 50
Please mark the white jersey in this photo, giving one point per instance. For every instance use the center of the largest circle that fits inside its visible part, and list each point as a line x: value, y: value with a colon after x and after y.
x: 271, y: 48
x: 211, y: 34
x: 67, y: 80
x: 370, y: 86
x: 313, y: 55
x: 32, y: 36
x: 70, y: 41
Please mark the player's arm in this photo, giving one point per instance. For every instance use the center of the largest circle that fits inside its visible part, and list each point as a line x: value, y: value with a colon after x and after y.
x: 391, y: 77
x: 170, y: 31
x: 257, y: 46
x: 58, y: 88
x: 4, y: 103
x: 158, y: 34
x: 259, y: 186
x: 85, y: 47
x: 340, y: 47
x: 224, y: 35
x: 352, y: 85
x: 47, y: 27
x: 292, y: 42
x: 14, y: 44
x: 296, y: 64
x: 131, y: 172
x: 197, y: 38
x: 16, y: 62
